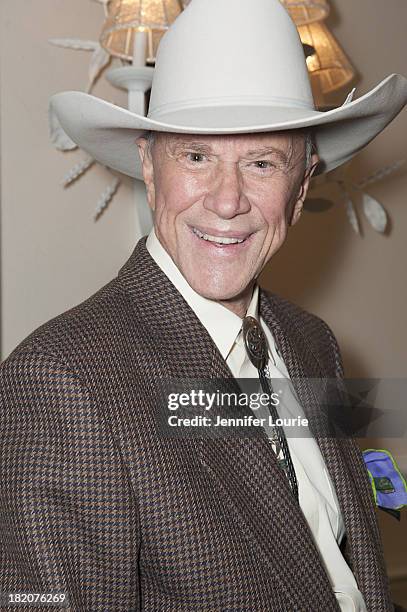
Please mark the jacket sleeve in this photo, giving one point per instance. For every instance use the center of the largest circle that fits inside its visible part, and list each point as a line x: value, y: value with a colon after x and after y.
x: 355, y: 455
x: 68, y: 516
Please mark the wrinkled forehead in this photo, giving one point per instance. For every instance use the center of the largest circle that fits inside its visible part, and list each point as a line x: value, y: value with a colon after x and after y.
x: 288, y: 146
x: 283, y: 140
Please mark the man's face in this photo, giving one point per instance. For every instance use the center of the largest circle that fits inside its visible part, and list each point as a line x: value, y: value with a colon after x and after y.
x: 222, y: 204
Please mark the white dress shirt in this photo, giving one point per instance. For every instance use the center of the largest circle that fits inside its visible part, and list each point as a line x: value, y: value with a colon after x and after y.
x: 317, y: 497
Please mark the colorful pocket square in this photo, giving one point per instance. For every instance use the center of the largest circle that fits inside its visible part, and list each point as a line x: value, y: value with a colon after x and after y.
x: 388, y: 484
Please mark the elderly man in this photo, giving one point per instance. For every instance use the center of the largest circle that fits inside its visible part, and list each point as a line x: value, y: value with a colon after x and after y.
x: 101, y: 508
x: 223, y: 204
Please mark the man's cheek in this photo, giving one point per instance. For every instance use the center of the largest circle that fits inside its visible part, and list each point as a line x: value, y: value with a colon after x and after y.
x: 276, y: 234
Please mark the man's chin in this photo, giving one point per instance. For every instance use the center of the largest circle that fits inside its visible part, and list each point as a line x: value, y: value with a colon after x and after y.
x: 218, y: 293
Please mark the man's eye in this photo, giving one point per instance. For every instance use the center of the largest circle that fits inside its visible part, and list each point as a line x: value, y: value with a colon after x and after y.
x: 195, y: 157
x: 263, y: 164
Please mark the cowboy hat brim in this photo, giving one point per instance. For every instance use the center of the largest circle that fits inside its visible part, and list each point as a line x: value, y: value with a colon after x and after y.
x: 108, y: 132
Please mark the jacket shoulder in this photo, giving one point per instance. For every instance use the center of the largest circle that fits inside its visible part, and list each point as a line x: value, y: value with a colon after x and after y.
x: 86, y: 328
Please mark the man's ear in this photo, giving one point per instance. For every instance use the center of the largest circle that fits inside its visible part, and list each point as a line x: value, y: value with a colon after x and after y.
x: 147, y: 168
x: 299, y: 204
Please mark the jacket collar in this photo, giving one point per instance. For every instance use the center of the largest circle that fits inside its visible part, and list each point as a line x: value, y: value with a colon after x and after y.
x: 222, y: 325
x: 245, y: 471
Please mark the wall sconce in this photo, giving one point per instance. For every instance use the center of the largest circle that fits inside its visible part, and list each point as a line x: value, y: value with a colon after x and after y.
x: 133, y: 28
x: 132, y: 31
x: 328, y: 66
x: 306, y: 11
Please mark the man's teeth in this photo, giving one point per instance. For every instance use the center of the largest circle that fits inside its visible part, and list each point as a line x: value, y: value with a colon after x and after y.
x: 218, y: 239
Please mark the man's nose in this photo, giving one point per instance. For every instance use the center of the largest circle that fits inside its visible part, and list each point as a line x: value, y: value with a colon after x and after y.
x: 226, y: 195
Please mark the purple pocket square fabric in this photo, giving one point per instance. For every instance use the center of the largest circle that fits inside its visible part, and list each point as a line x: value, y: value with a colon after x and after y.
x: 389, y: 485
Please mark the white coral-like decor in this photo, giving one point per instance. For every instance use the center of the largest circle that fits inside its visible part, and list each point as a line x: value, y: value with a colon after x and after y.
x: 380, y: 174
x: 374, y: 213
x: 57, y: 134
x: 351, y: 211
x: 106, y: 198
x: 373, y: 210
x: 77, y: 171
x: 74, y: 43
x: 105, y: 4
x: 100, y: 58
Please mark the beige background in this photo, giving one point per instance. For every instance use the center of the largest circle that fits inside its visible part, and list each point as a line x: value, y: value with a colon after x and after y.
x: 54, y: 255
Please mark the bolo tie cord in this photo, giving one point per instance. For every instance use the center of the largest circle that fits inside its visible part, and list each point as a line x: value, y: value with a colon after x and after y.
x: 257, y: 350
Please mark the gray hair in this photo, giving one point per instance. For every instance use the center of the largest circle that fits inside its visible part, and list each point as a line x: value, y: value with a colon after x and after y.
x: 310, y: 147
x: 150, y: 138
x: 309, y: 141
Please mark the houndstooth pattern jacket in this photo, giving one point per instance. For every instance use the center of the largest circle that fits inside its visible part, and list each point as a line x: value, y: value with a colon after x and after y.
x: 95, y: 504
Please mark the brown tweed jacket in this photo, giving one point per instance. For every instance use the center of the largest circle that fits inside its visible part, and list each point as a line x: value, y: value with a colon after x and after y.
x: 95, y: 504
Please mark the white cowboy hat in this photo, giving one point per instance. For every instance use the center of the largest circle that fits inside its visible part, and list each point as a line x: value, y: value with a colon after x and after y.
x: 229, y: 67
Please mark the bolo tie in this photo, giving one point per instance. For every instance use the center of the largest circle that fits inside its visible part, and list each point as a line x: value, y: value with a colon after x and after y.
x: 255, y: 343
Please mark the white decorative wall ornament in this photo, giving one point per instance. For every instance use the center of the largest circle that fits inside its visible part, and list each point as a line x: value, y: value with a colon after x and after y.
x: 351, y: 212
x: 77, y: 171
x: 99, y: 60
x: 105, y: 3
x: 106, y: 198
x: 57, y: 134
x: 374, y: 211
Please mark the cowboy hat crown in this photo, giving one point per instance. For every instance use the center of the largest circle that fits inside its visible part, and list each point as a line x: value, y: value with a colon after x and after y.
x: 229, y: 67
x: 229, y: 55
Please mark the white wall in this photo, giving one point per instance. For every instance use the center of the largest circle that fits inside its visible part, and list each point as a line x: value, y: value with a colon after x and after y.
x: 53, y: 254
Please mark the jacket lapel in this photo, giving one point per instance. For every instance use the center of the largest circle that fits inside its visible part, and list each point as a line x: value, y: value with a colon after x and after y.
x: 244, y: 469
x: 341, y: 456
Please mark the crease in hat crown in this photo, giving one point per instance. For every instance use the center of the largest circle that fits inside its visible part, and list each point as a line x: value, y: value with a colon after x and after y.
x: 228, y: 53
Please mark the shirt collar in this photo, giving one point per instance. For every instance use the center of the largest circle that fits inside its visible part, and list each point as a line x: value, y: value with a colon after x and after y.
x: 222, y: 325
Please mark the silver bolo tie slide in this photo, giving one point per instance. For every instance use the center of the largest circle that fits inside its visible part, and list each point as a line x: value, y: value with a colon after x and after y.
x: 257, y: 350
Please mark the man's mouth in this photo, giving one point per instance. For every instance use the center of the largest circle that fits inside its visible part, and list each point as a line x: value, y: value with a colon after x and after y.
x: 221, y: 240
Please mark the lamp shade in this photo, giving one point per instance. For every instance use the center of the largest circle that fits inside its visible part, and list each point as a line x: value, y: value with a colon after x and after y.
x: 327, y: 63
x: 306, y: 11
x: 126, y: 17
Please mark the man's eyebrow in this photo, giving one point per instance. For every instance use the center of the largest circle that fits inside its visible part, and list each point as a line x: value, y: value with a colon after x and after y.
x: 203, y: 147
x: 263, y: 151
x: 188, y: 144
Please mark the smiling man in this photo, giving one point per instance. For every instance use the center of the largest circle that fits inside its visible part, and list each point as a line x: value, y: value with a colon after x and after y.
x: 101, y: 507
x: 223, y: 204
